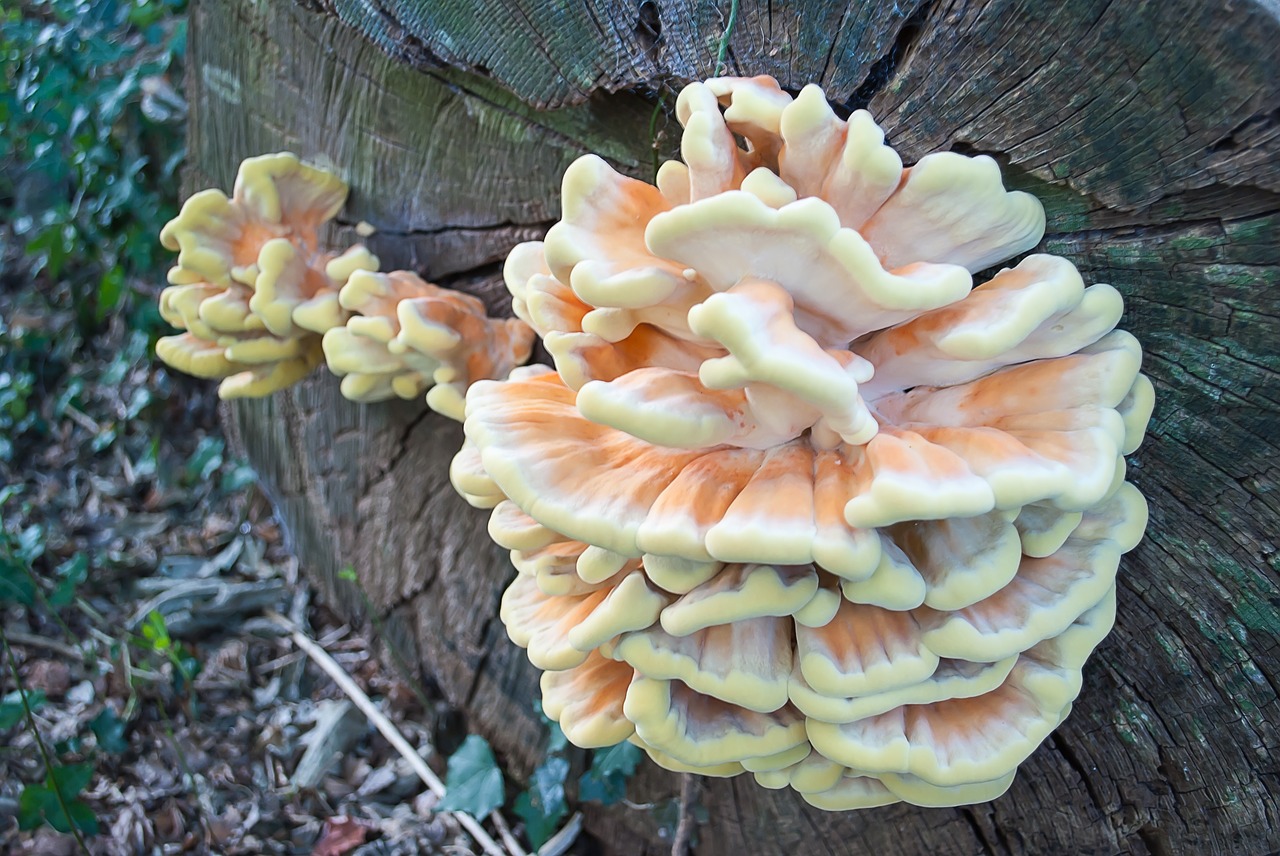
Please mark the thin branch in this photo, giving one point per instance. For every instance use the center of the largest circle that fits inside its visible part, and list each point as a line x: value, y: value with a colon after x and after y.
x: 389, y: 731
x: 653, y: 132
x: 504, y: 832
x: 30, y: 640
x: 560, y: 842
x: 684, y: 829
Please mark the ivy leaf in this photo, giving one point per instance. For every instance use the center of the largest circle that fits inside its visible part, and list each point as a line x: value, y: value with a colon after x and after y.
x: 238, y: 477
x: 40, y: 803
x: 205, y: 460
x: 557, y: 742
x: 474, y: 782
x: 606, y: 781
x: 83, y: 817
x: 15, y: 583
x: 542, y: 807
x: 109, y: 729
x: 71, y: 779
x: 11, y: 710
x: 35, y: 804
x: 188, y: 669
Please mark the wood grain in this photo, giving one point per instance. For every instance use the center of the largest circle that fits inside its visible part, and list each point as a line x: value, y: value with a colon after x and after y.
x: 1149, y: 130
x: 551, y: 54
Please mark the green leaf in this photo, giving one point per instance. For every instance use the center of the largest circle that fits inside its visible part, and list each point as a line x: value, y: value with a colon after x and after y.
x: 137, y: 402
x: 542, y: 807
x: 83, y: 817
x: 205, y: 459
x: 71, y: 573
x: 16, y: 585
x: 557, y: 742
x: 11, y: 710
x: 155, y: 632
x: 474, y: 782
x: 146, y: 465
x: 70, y: 746
x: 40, y: 803
x: 606, y: 781
x: 109, y: 729
x: 110, y: 288
x: 238, y: 477
x: 70, y: 779
x: 68, y: 397
x: 186, y: 668
x: 35, y: 804
x: 31, y: 543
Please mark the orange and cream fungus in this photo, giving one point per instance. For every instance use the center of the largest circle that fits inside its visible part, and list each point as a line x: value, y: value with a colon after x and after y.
x: 798, y: 499
x: 253, y: 289
x: 408, y: 336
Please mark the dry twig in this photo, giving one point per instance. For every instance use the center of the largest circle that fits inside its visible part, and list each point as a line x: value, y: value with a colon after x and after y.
x: 393, y: 735
x: 684, y: 829
x: 504, y: 831
x: 30, y: 640
x: 560, y: 842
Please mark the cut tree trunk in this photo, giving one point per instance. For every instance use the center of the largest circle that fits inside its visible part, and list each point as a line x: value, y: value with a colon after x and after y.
x: 1150, y: 130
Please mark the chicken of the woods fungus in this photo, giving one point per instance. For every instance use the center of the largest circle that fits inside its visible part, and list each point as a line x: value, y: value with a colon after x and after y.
x: 408, y: 336
x: 253, y: 288
x: 798, y: 499
x: 263, y: 304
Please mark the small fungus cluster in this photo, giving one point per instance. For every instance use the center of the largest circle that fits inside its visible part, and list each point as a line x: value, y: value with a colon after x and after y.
x: 262, y: 304
x: 252, y: 287
x: 407, y: 334
x: 798, y: 499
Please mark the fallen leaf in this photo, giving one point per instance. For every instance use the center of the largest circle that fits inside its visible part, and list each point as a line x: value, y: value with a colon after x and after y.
x: 340, y: 836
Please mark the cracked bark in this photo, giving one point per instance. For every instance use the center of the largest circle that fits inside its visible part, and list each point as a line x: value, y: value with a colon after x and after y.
x: 1149, y: 130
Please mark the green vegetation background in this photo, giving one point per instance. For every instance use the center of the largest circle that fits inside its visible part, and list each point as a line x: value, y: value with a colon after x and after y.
x: 92, y: 125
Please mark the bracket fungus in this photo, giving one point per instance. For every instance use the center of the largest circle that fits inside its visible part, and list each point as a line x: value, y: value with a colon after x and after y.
x: 252, y: 289
x: 406, y: 335
x: 798, y: 499
x: 255, y: 293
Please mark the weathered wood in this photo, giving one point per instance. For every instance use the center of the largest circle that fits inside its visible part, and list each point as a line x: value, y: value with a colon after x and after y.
x: 1151, y: 133
x: 554, y: 53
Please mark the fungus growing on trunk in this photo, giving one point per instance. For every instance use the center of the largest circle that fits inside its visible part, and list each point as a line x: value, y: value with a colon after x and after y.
x: 798, y: 499
x: 254, y: 293
x: 407, y: 334
x: 252, y: 287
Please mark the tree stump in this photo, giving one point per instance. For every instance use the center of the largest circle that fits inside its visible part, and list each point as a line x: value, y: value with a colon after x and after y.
x: 1151, y: 132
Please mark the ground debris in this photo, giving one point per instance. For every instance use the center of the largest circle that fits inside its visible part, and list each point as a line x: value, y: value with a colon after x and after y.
x: 144, y: 565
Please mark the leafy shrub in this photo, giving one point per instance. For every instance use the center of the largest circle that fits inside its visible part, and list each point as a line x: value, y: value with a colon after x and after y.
x: 93, y: 132
x: 91, y: 139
